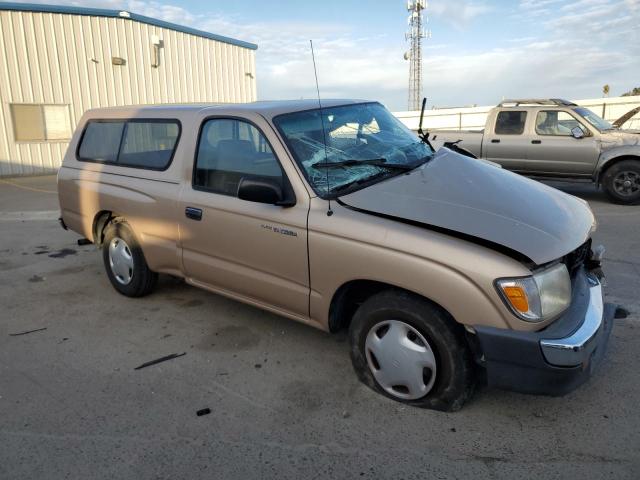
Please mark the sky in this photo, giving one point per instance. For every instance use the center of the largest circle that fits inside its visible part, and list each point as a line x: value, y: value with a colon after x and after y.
x: 480, y: 51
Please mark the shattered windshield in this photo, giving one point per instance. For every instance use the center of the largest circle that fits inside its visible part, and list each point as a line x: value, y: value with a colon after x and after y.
x: 364, y: 142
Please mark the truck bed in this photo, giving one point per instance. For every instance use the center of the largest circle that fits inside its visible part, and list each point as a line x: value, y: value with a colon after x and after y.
x: 471, y: 139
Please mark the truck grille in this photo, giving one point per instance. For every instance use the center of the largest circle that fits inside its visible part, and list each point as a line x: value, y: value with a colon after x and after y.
x: 575, y: 259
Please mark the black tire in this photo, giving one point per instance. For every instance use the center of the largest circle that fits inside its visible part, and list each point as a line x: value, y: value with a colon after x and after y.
x: 455, y: 373
x: 142, y: 279
x: 616, y: 174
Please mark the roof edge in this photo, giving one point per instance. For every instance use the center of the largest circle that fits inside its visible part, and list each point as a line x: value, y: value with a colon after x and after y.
x: 103, y: 12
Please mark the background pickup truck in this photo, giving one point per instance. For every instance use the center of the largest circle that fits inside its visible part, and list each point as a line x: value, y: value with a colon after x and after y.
x: 556, y: 138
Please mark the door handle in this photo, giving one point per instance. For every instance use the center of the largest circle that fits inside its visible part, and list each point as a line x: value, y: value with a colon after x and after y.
x: 537, y: 142
x: 193, y: 213
x: 495, y: 140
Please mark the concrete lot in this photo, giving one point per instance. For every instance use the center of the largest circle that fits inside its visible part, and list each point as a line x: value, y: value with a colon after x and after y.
x: 284, y: 400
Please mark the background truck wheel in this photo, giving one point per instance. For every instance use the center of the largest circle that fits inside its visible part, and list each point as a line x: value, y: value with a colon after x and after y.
x: 412, y: 351
x: 124, y: 262
x: 621, y: 182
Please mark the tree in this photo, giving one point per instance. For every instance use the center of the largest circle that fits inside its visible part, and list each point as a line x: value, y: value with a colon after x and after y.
x: 635, y: 91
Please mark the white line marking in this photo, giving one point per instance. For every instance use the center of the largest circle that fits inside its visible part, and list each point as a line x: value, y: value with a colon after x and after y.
x: 36, y: 215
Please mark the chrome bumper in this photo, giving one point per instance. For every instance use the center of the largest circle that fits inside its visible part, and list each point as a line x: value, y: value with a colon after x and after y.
x: 576, y: 349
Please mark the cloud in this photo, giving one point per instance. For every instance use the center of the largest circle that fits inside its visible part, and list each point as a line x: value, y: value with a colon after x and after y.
x: 459, y: 14
x: 565, y: 50
x: 551, y: 69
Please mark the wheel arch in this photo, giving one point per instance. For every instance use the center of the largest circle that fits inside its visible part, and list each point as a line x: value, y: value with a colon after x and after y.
x: 100, y: 222
x: 350, y: 295
x: 610, y: 162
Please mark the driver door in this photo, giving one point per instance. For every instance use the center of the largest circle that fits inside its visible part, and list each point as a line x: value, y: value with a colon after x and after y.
x: 256, y: 252
x: 555, y: 151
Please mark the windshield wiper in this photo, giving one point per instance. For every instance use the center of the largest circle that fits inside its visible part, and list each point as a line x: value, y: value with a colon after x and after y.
x: 376, y: 162
x: 359, y: 181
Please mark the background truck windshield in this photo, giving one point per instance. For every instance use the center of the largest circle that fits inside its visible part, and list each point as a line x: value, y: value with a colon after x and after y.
x: 600, y: 123
x: 353, y: 133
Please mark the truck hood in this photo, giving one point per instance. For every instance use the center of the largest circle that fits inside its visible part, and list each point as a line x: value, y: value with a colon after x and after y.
x: 458, y: 194
x: 619, y: 138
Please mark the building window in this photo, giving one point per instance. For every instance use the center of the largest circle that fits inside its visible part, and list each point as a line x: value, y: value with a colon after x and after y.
x: 136, y: 143
x: 41, y: 123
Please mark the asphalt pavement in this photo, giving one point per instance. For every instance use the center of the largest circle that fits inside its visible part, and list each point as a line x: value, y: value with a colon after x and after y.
x: 283, y: 399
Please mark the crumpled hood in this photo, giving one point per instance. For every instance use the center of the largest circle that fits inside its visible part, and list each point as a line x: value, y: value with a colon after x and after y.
x: 471, y: 197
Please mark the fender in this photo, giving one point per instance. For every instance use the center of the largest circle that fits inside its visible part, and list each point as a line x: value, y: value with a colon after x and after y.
x: 615, y: 152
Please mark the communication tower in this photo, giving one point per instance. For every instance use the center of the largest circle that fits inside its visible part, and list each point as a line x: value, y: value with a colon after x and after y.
x: 415, y: 33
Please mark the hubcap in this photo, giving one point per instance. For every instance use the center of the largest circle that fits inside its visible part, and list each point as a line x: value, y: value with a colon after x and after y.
x: 627, y: 183
x: 121, y: 261
x: 400, y: 359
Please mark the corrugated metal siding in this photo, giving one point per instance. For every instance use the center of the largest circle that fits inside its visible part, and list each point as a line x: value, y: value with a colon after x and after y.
x: 48, y: 58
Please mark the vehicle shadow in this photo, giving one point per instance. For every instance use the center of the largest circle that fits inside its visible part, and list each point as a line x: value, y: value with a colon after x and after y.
x: 586, y: 191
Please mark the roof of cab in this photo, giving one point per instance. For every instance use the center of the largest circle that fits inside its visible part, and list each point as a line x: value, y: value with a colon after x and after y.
x: 268, y: 109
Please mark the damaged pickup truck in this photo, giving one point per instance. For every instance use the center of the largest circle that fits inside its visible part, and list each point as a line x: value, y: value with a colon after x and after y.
x: 447, y: 271
x: 554, y: 138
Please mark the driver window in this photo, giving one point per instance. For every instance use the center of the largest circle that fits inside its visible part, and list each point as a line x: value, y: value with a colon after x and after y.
x: 557, y: 123
x: 229, y: 150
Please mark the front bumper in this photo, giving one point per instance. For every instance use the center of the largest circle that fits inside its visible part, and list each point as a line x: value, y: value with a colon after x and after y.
x: 560, y: 357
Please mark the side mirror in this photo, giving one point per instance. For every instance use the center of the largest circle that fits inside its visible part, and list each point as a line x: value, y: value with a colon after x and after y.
x: 263, y: 190
x: 576, y: 132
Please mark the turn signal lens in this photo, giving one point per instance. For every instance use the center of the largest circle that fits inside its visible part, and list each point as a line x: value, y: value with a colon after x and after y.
x: 522, y: 295
x: 518, y: 298
x: 543, y: 295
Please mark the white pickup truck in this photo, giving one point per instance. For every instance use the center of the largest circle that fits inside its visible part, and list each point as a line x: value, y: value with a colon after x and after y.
x: 555, y: 138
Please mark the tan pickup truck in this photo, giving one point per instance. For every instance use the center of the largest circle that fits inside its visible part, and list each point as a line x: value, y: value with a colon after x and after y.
x: 555, y: 138
x: 447, y: 271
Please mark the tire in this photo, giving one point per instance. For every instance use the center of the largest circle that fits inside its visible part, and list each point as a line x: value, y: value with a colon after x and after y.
x: 124, y: 262
x: 621, y: 182
x: 413, y: 321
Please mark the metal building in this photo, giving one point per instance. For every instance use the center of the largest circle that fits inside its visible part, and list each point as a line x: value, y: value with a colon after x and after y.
x: 57, y: 61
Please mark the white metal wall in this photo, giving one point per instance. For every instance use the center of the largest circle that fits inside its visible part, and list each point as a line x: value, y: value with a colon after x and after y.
x: 474, y: 118
x: 53, y: 58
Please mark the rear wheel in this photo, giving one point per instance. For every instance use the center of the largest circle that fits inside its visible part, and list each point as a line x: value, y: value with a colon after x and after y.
x: 124, y: 262
x: 411, y: 350
x: 622, y: 182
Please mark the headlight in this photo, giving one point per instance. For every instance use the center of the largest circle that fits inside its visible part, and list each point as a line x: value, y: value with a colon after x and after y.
x: 540, y: 296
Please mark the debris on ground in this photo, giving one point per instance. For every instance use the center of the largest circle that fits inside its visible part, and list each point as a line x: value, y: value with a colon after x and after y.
x: 204, y: 411
x: 36, y: 278
x: 160, y: 360
x: 621, y: 312
x: 26, y: 332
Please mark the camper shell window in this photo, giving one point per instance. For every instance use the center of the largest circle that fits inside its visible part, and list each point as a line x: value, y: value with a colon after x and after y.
x: 136, y: 143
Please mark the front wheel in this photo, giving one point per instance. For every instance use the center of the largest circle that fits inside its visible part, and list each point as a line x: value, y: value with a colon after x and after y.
x: 621, y: 182
x: 124, y: 262
x: 412, y: 351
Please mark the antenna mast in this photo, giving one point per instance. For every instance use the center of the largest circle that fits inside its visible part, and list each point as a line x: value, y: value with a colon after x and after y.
x: 324, y: 133
x: 415, y: 33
